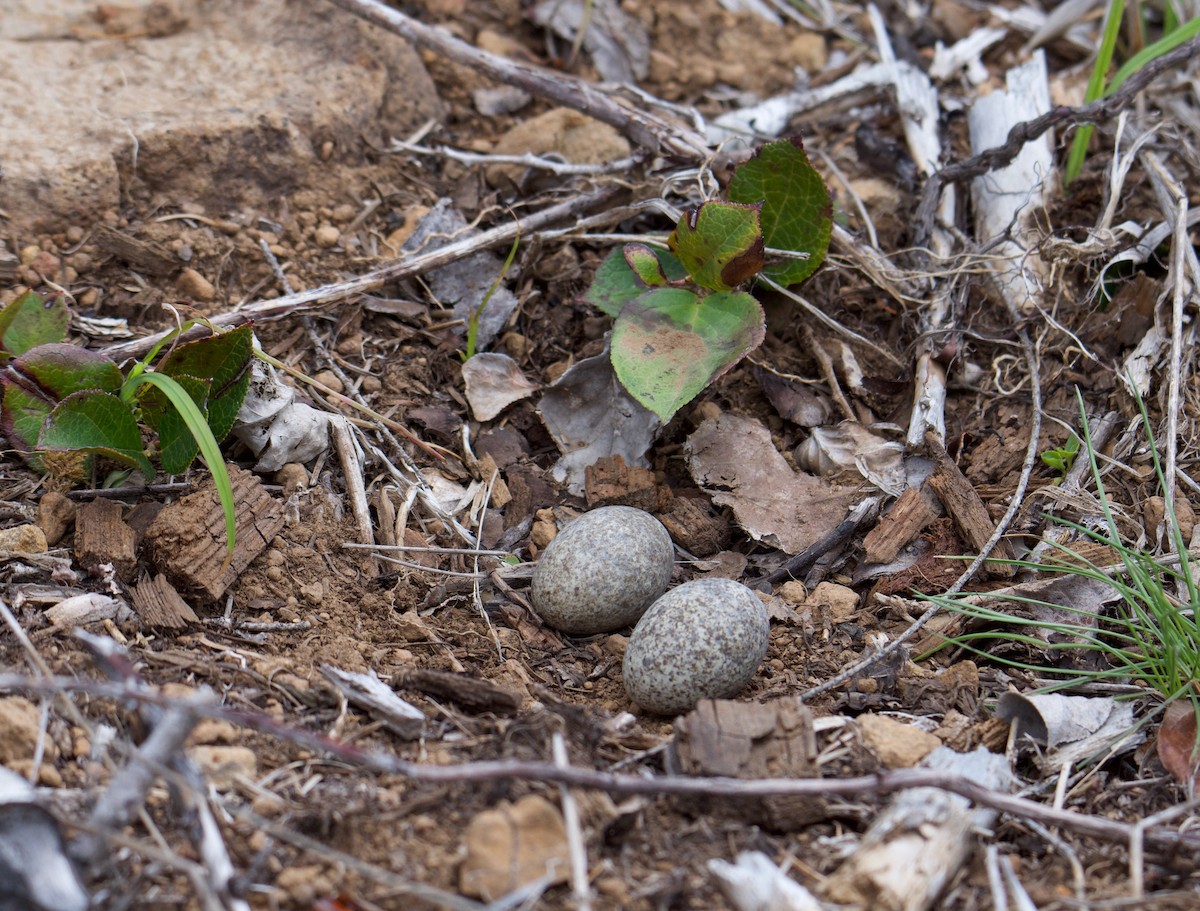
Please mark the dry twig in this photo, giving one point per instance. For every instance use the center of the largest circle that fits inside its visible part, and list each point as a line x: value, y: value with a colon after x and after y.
x: 1001, y: 155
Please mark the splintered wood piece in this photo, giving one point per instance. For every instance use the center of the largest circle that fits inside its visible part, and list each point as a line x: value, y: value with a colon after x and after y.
x: 752, y: 741
x: 912, y: 511
x: 158, y: 604
x: 965, y: 507
x: 145, y: 257
x: 696, y: 527
x: 186, y: 542
x: 373, y: 696
x: 918, y: 843
x: 469, y: 692
x: 610, y: 482
x: 101, y: 536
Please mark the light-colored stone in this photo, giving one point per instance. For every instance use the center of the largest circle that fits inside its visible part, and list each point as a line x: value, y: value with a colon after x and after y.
x: 898, y: 745
x: 330, y: 380
x: 194, y: 285
x: 577, y: 138
x: 23, y: 539
x: 222, y: 765
x: 793, y: 592
x: 327, y: 236
x: 223, y: 103
x: 840, y: 601
x: 20, y: 723
x: 55, y: 515
x: 291, y: 477
x: 513, y: 845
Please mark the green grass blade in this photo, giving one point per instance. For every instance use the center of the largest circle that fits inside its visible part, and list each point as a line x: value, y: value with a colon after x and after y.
x: 1095, y: 87
x: 209, y: 450
x: 1166, y: 43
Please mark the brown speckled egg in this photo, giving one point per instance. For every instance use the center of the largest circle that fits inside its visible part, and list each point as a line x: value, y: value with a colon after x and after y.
x: 602, y: 571
x: 702, y: 640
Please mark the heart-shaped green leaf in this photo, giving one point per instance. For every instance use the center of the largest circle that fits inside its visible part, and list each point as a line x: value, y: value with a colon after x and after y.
x: 30, y: 321
x: 37, y: 380
x: 670, y: 343
x: 222, y: 359
x: 97, y: 423
x: 719, y: 243
x: 616, y: 284
x: 797, y: 213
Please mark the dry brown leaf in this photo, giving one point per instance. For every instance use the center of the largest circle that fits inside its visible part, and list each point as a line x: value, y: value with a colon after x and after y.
x: 734, y: 459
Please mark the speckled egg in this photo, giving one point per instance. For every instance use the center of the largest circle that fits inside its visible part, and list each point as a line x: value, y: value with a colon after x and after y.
x: 702, y: 640
x: 602, y: 571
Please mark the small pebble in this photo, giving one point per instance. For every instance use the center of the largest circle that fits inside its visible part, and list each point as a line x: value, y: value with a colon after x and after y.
x: 330, y: 379
x: 194, y: 285
x: 327, y: 236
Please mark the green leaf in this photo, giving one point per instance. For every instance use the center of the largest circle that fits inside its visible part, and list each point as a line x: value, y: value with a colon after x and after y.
x: 223, y: 359
x: 177, y: 447
x: 797, y: 213
x: 37, y: 380
x: 1095, y: 87
x: 670, y: 343
x: 616, y: 284
x: 30, y: 321
x: 95, y: 422
x: 719, y: 243
x: 644, y: 262
x: 210, y: 450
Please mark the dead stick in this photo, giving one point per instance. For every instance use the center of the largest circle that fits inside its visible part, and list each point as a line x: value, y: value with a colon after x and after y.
x: 885, y: 782
x: 1002, y: 155
x: 661, y: 136
x: 302, y: 301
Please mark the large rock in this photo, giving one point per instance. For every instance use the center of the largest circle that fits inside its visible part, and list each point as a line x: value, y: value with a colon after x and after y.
x: 222, y: 103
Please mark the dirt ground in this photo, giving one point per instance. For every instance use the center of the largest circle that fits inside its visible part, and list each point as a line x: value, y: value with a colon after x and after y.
x: 270, y: 125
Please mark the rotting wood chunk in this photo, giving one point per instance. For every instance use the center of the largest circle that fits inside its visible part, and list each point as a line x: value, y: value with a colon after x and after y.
x: 752, y: 741
x: 694, y: 526
x: 610, y: 482
x: 158, y: 604
x: 965, y: 507
x: 101, y: 536
x: 186, y: 542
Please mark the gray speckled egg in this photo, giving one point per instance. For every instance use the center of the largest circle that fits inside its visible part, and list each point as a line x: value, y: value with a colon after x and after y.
x: 702, y: 640
x: 602, y: 571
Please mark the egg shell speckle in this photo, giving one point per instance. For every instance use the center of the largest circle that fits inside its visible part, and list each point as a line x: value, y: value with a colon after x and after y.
x: 702, y: 640
x: 602, y: 571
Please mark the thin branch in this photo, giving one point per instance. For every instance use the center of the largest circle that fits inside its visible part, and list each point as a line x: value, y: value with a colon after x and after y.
x: 661, y: 136
x: 302, y: 301
x: 885, y: 782
x: 1026, y: 131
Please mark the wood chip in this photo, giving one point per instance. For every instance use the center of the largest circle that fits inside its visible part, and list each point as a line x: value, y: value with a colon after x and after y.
x: 148, y: 258
x: 101, y: 536
x: 469, y: 692
x: 908, y: 517
x: 158, y: 604
x: 752, y: 741
x: 696, y: 527
x: 610, y: 482
x: 965, y: 507
x: 187, y: 543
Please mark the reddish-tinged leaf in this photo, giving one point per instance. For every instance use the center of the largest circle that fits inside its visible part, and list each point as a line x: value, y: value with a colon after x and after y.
x: 1177, y: 743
